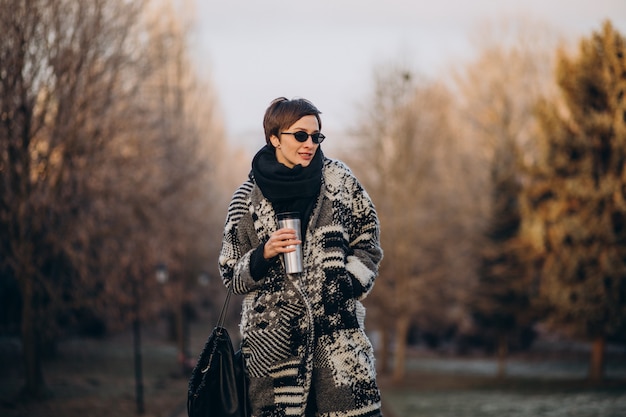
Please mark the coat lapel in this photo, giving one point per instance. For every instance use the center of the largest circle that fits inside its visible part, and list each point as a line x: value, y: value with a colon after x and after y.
x: 263, y: 214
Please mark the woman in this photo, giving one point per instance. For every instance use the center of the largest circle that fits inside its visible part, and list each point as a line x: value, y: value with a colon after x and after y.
x: 303, y: 334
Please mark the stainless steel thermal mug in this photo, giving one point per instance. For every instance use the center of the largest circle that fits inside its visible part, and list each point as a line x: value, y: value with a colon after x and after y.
x: 293, y: 260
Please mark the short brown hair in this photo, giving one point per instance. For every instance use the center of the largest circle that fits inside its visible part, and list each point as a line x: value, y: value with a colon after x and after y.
x: 283, y: 113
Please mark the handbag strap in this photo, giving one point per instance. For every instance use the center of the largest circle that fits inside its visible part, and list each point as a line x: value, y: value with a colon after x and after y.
x: 219, y: 328
x: 222, y: 318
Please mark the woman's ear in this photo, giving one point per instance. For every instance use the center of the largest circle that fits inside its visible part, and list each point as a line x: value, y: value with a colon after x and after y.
x: 275, y: 141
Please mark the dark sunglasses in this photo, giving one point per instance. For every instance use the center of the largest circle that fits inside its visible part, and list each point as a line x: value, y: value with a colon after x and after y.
x: 303, y: 136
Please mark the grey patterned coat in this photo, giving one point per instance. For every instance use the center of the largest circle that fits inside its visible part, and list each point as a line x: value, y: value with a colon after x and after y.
x: 306, y: 329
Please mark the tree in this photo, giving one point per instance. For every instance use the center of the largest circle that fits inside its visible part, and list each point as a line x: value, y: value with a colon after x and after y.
x: 574, y: 210
x: 193, y: 194
x: 96, y: 171
x: 415, y: 173
x: 61, y: 65
x: 498, y: 92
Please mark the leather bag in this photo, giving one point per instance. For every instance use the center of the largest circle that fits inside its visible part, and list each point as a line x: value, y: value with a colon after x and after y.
x: 218, y: 382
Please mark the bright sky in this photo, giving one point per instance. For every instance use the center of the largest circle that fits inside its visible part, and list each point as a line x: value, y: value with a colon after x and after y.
x: 326, y: 50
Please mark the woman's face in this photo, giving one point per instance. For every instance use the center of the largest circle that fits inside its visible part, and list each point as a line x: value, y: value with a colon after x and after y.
x: 289, y: 151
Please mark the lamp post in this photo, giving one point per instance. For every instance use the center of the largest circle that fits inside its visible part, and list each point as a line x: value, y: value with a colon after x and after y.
x: 137, y: 348
x: 180, y: 325
x: 162, y: 276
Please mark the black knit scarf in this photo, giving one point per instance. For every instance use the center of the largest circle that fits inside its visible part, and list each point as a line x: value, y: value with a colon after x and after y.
x: 288, y: 189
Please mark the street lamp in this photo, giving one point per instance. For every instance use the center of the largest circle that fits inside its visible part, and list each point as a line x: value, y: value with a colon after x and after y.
x: 162, y: 274
x: 162, y: 277
x: 203, y: 279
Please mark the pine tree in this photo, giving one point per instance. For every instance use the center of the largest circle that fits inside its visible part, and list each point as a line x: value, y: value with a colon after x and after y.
x: 501, y: 302
x: 575, y: 205
x: 499, y: 91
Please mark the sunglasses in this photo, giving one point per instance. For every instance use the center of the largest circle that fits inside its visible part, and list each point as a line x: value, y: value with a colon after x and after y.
x: 303, y: 136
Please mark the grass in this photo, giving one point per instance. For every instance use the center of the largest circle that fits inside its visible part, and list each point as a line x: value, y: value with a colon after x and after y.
x: 445, y: 394
x: 95, y: 378
x: 505, y: 403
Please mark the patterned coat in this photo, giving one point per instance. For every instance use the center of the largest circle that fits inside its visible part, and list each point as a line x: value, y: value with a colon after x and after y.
x: 306, y: 329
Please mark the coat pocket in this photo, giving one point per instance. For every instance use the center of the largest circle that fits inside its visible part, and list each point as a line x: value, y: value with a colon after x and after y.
x: 273, y: 330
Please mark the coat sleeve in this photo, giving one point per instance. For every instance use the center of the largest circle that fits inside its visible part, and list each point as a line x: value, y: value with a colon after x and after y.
x: 365, y: 252
x: 237, y: 245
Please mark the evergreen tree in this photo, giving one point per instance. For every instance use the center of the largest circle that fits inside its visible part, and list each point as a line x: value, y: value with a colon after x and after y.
x: 499, y: 91
x: 501, y: 302
x: 575, y: 205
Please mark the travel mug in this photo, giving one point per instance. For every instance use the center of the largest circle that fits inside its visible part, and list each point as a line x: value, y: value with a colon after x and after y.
x: 293, y: 260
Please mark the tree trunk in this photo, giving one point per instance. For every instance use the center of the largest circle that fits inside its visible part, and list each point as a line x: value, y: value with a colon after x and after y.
x: 34, y: 386
x: 596, y: 363
x: 503, y: 350
x: 402, y: 330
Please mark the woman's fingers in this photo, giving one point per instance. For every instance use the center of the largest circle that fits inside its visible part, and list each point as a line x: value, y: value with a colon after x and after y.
x: 281, y: 241
x: 284, y: 239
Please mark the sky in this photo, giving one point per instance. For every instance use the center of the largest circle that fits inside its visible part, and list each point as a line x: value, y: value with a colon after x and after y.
x: 253, y: 51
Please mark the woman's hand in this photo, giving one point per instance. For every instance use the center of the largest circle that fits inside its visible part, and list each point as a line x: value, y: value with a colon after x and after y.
x: 281, y: 241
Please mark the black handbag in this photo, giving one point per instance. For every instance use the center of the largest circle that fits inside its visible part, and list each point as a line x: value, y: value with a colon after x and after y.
x: 218, y: 383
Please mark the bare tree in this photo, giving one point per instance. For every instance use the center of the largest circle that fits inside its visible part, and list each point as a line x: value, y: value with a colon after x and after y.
x: 106, y: 149
x: 192, y: 149
x: 413, y: 170
x: 61, y: 70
